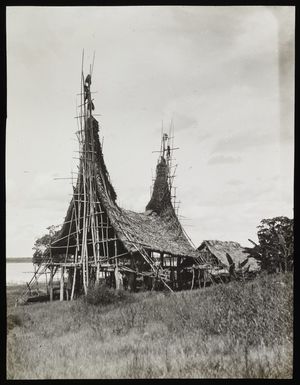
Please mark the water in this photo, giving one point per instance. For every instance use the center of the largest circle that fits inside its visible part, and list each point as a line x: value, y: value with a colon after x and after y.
x: 20, y: 273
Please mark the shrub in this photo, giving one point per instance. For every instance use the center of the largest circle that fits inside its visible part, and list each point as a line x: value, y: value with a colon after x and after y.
x: 13, y: 320
x: 276, y: 244
x: 103, y: 295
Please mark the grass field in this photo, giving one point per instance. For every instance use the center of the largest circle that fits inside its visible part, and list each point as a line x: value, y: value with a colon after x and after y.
x: 225, y: 331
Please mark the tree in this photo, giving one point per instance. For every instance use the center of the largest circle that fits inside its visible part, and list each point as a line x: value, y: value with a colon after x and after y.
x: 276, y: 243
x: 42, y: 243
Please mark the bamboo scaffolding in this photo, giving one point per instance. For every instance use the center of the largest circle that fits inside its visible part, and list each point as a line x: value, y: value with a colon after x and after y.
x: 80, y: 144
x: 102, y: 235
x: 193, y: 279
x: 85, y: 201
x: 144, y: 273
x: 61, y: 296
x: 94, y: 92
x: 106, y: 233
x: 148, y: 259
x: 86, y: 152
x: 73, y: 284
x: 51, y: 284
x: 92, y: 216
x: 88, y: 193
x: 97, y: 249
x: 83, y: 248
x: 39, y: 271
x: 116, y: 256
x: 116, y: 252
x: 97, y: 239
x: 105, y: 241
x: 65, y: 264
x: 92, y: 188
x: 82, y: 116
x: 69, y: 235
x: 93, y: 225
x: 77, y: 249
x: 77, y: 223
x: 64, y: 237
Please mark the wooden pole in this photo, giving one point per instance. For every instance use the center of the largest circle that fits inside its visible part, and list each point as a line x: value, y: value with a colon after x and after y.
x: 83, y: 245
x: 193, y: 280
x: 87, y: 267
x: 68, y: 243
x: 97, y: 249
x: 162, y: 259
x: 73, y: 285
x: 77, y: 235
x: 51, y: 283
x: 61, y: 284
x: 107, y: 236
x: 47, y: 288
x: 117, y: 278
x: 116, y: 252
x: 132, y: 276
x: 118, y: 275
x: 74, y: 275
x: 84, y: 170
x: 205, y: 273
x: 67, y: 288
x: 102, y: 234
x: 93, y: 232
x: 179, y: 285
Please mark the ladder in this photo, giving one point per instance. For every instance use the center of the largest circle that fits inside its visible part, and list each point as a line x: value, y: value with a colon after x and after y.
x: 40, y: 270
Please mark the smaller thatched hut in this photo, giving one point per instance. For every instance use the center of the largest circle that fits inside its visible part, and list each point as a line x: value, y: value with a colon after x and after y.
x: 222, y: 254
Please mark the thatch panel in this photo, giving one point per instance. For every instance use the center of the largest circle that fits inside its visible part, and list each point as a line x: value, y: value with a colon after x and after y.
x: 152, y: 232
x: 220, y: 248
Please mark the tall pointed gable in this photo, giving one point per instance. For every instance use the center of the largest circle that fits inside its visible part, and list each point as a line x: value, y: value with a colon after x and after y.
x: 161, y: 198
x: 92, y: 168
x: 161, y: 195
x: 102, y: 174
x: 160, y: 206
x: 104, y: 189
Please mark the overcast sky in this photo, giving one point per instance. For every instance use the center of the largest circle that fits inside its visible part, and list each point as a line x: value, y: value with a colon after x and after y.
x: 225, y: 75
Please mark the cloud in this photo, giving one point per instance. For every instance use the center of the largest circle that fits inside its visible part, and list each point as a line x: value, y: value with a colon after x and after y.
x: 243, y: 140
x: 235, y: 182
x: 222, y: 159
x: 214, y: 70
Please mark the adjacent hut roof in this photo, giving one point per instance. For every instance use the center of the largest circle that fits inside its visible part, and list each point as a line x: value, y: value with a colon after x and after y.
x: 220, y: 248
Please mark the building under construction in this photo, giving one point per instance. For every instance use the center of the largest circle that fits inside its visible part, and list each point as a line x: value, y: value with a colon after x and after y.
x: 100, y: 241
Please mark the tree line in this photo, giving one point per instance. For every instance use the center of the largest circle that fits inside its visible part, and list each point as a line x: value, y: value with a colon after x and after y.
x: 275, y: 248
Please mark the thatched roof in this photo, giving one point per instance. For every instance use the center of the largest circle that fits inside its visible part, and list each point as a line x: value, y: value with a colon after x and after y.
x: 157, y: 229
x: 150, y: 231
x: 220, y: 248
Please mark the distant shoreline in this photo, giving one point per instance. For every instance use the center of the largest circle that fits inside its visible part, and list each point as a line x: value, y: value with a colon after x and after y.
x: 18, y: 259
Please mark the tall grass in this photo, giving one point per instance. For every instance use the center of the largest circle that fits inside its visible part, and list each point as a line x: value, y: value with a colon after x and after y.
x: 235, y: 330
